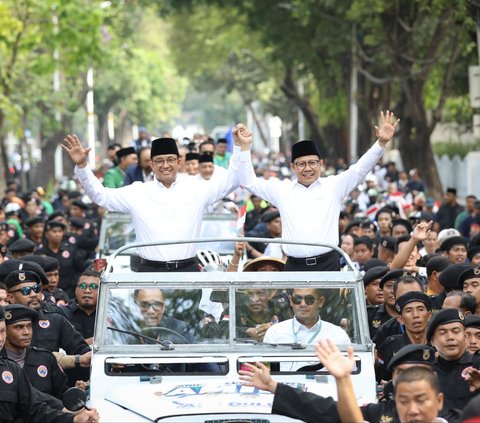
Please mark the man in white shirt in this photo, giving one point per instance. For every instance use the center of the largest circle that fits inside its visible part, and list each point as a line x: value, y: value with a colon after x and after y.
x: 306, y: 327
x: 165, y: 209
x: 310, y: 205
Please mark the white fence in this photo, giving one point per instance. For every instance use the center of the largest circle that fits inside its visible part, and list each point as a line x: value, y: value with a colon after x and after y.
x: 462, y: 174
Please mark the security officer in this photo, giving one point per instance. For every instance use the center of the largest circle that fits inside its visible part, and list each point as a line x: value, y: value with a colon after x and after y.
x: 469, y: 282
x: 446, y: 332
x: 309, y: 407
x: 385, y: 311
x: 22, y: 247
x: 39, y: 365
x: 70, y: 259
x: 34, y: 230
x: 371, y: 283
x: 52, y: 331
x: 19, y: 402
x: 414, y: 309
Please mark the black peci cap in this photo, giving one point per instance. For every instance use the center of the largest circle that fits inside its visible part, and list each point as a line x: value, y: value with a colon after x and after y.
x: 304, y: 148
x: 123, y: 152
x: 413, y: 354
x: 449, y: 277
x: 393, y: 275
x: 192, y: 156
x: 163, y: 146
x: 443, y: 317
x: 205, y: 158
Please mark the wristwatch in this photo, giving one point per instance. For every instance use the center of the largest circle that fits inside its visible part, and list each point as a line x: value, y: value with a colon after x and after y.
x: 77, y: 359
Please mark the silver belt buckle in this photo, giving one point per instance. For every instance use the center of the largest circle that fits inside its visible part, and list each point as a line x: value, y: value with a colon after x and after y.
x: 171, y: 265
x: 311, y: 261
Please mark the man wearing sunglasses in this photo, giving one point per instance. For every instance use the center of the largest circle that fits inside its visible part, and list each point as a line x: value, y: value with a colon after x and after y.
x: 310, y: 206
x: 52, y: 331
x: 82, y: 310
x: 306, y: 327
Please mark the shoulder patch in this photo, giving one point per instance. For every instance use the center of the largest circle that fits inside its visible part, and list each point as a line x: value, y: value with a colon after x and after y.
x: 44, y: 324
x: 7, y: 376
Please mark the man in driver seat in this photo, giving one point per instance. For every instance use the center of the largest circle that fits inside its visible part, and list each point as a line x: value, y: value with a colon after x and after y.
x: 151, y: 303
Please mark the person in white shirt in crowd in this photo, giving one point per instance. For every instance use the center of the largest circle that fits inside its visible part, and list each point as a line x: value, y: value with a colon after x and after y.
x: 310, y: 205
x: 165, y: 209
x: 306, y: 327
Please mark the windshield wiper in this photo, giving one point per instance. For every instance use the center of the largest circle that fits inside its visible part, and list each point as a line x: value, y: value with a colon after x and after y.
x: 166, y: 345
x: 294, y: 345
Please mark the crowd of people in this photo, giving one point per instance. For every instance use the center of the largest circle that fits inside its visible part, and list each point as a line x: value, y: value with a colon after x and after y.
x: 419, y: 257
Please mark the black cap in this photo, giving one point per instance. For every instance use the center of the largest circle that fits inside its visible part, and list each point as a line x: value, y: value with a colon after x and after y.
x: 388, y: 242
x: 374, y: 273
x: 269, y: 216
x: 34, y: 221
x: 192, y: 156
x: 374, y: 262
x: 22, y: 245
x: 21, y: 276
x: 393, y: 275
x: 77, y: 222
x: 352, y: 224
x: 449, y: 277
x: 452, y: 241
x: 410, y: 297
x: 304, y: 148
x: 47, y: 264
x: 413, y: 354
x: 54, y: 224
x: 403, y: 222
x: 452, y: 191
x: 164, y: 146
x: 55, y: 214
x: 18, y: 313
x: 469, y: 273
x: 80, y: 204
x: 472, y: 321
x: 443, y: 317
x: 437, y: 264
x: 205, y: 158
x: 125, y: 152
x: 74, y: 194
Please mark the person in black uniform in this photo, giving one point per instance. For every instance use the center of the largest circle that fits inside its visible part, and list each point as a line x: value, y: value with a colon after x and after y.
x: 70, y: 259
x: 19, y: 402
x: 402, y: 285
x: 39, y: 365
x: 34, y: 230
x: 52, y: 331
x: 414, y: 310
x: 385, y: 311
x: 446, y: 332
x: 306, y: 406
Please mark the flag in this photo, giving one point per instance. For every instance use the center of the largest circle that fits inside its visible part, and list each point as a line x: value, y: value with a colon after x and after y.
x: 242, y: 214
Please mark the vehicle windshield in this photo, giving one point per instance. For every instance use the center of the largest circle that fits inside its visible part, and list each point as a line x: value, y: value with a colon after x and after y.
x: 139, y: 316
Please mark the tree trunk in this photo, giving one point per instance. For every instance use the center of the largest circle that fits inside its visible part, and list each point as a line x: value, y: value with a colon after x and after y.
x: 4, y: 172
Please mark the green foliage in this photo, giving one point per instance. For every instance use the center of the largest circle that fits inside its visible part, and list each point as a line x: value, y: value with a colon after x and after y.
x: 452, y: 149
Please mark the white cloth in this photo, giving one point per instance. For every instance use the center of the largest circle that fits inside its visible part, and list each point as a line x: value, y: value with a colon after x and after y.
x: 159, y: 213
x: 291, y: 331
x: 309, y: 214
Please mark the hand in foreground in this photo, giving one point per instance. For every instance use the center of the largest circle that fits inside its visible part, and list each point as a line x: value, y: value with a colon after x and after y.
x: 257, y: 375
x: 421, y: 231
x: 87, y: 416
x: 472, y: 376
x: 78, y: 154
x: 334, y: 361
x: 386, y: 129
x: 242, y: 136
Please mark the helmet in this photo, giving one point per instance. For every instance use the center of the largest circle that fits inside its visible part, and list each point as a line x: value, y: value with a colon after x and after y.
x: 210, y: 261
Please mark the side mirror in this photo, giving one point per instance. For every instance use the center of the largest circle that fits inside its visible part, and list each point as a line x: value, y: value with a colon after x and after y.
x: 74, y: 399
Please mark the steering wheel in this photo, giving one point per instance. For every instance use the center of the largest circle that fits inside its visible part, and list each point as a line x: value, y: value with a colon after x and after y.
x: 166, y: 331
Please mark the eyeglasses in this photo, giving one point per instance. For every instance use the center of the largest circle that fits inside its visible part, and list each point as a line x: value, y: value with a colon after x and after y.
x: 170, y: 161
x: 145, y: 305
x: 309, y: 299
x: 84, y: 286
x: 311, y: 164
x: 27, y: 289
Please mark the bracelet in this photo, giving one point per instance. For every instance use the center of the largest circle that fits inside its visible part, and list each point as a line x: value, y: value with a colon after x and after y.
x: 233, y: 264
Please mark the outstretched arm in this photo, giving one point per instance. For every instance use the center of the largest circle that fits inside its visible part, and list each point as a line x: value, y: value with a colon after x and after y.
x: 386, y: 130
x: 341, y: 367
x: 76, y: 151
x: 420, y: 233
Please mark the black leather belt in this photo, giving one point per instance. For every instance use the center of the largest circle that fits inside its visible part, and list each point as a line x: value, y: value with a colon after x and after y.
x: 170, y: 265
x: 311, y: 261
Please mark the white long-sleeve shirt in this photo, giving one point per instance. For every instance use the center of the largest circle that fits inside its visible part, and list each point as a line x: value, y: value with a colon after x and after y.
x: 162, y: 214
x: 309, y: 214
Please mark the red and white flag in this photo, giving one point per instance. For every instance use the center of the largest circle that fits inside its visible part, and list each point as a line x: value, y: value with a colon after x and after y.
x: 242, y: 214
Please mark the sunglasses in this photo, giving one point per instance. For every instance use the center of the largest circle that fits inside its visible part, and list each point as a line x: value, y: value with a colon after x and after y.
x: 156, y: 305
x: 27, y: 289
x: 84, y: 286
x: 309, y: 299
